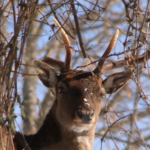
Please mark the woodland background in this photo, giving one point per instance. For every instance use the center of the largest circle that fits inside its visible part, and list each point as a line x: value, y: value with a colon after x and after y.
x: 27, y: 32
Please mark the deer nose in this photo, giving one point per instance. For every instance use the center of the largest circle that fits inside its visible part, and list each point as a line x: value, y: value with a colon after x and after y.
x: 85, y: 113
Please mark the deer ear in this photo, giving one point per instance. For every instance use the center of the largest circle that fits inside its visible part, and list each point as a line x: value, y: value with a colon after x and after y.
x: 116, y: 81
x: 46, y: 73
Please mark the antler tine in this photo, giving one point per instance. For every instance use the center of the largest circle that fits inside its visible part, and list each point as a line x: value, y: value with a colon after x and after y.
x: 67, y: 47
x: 102, y: 60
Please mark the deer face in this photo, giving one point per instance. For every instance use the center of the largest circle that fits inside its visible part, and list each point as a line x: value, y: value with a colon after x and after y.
x: 78, y: 94
x: 78, y: 102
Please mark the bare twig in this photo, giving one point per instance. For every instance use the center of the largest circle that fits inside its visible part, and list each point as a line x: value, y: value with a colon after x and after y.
x: 78, y: 29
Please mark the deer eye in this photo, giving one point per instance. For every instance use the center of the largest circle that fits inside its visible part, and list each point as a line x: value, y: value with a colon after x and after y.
x: 61, y: 90
x: 102, y: 95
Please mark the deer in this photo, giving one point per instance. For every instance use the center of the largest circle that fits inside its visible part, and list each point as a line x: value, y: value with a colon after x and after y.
x: 71, y: 122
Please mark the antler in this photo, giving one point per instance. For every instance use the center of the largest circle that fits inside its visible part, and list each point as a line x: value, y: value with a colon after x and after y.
x: 106, y: 53
x: 67, y: 47
x: 57, y: 64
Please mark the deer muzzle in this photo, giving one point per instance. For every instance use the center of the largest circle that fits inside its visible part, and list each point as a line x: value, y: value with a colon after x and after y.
x: 84, y: 113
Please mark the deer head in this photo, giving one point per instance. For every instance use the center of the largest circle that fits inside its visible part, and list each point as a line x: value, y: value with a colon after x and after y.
x: 79, y: 94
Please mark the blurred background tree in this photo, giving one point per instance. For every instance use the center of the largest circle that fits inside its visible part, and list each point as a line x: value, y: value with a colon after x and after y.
x: 28, y: 32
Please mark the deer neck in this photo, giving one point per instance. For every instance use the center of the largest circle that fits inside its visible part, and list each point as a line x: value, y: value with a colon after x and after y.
x: 77, y: 141
x: 50, y: 129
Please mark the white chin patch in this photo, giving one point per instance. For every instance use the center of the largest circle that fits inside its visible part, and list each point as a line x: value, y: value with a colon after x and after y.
x: 79, y: 129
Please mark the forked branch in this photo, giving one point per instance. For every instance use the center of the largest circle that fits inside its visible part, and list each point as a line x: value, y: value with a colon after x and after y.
x: 129, y: 61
